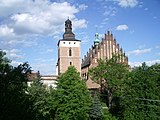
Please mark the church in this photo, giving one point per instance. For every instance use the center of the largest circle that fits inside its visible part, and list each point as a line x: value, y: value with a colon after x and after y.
x: 69, y: 54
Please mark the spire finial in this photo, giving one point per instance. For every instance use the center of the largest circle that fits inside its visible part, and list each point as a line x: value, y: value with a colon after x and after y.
x: 96, y: 29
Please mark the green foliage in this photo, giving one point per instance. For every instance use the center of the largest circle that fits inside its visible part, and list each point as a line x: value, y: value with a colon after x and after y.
x: 72, y: 97
x: 130, y: 96
x: 112, y: 72
x: 14, y: 103
x: 109, y: 117
x: 142, y: 98
x: 96, y: 109
x: 111, y: 75
x: 40, y: 97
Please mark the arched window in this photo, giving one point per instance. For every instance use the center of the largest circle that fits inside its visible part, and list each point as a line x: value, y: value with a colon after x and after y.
x: 70, y: 63
x: 70, y: 52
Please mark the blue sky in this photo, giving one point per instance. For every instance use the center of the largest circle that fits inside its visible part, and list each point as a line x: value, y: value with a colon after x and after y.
x: 30, y: 30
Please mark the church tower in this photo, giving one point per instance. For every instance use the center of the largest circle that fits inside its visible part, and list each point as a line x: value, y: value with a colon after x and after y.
x: 68, y: 50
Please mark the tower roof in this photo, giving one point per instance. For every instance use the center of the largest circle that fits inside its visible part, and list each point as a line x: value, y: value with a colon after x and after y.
x: 68, y: 21
x: 68, y: 34
x: 96, y: 40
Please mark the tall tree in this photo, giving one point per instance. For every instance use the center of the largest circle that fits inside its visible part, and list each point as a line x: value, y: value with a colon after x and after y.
x: 14, y: 103
x: 110, y: 74
x: 96, y: 109
x: 40, y: 95
x: 73, y: 97
x: 142, y: 98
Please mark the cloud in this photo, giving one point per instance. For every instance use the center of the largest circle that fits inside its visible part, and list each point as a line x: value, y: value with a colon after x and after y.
x: 145, y: 9
x: 124, y: 3
x: 46, y: 18
x: 57, y: 37
x: 152, y: 62
x: 45, y: 66
x: 82, y: 6
x: 139, y: 51
x: 149, y: 63
x: 142, y: 46
x: 158, y: 54
x: 127, y: 3
x: 27, y: 23
x: 22, y: 22
x: 85, y: 39
x: 13, y: 40
x: 155, y: 17
x: 79, y: 23
x: 122, y: 27
x: 131, y: 31
x: 49, y: 50
x: 158, y: 46
x: 16, y: 63
x: 43, y: 60
x: 140, y: 4
x: 6, y: 31
x: 9, y: 7
x: 135, y: 64
x: 13, y: 54
x: 110, y: 11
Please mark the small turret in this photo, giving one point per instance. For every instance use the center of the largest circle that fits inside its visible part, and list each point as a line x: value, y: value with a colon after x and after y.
x: 96, y: 41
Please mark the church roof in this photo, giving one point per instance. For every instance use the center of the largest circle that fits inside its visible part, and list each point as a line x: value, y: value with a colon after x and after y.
x: 92, y: 85
x: 87, y: 62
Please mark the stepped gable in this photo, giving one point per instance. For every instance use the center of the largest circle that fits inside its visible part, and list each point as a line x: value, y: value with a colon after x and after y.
x: 103, y: 49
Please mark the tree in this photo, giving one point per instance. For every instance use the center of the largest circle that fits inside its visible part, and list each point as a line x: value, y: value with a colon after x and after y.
x: 14, y: 103
x: 72, y: 96
x: 40, y: 97
x: 142, y: 98
x: 96, y: 109
x: 110, y: 74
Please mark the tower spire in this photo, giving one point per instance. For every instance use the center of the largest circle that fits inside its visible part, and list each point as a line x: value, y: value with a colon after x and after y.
x: 68, y: 30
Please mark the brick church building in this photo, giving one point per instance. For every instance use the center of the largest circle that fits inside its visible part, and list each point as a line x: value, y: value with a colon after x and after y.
x: 69, y: 53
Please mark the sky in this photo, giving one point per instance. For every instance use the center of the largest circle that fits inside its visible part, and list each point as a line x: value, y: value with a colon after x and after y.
x: 30, y: 29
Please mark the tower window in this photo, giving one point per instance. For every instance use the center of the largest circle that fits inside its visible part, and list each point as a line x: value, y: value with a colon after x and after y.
x: 70, y: 52
x: 70, y: 63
